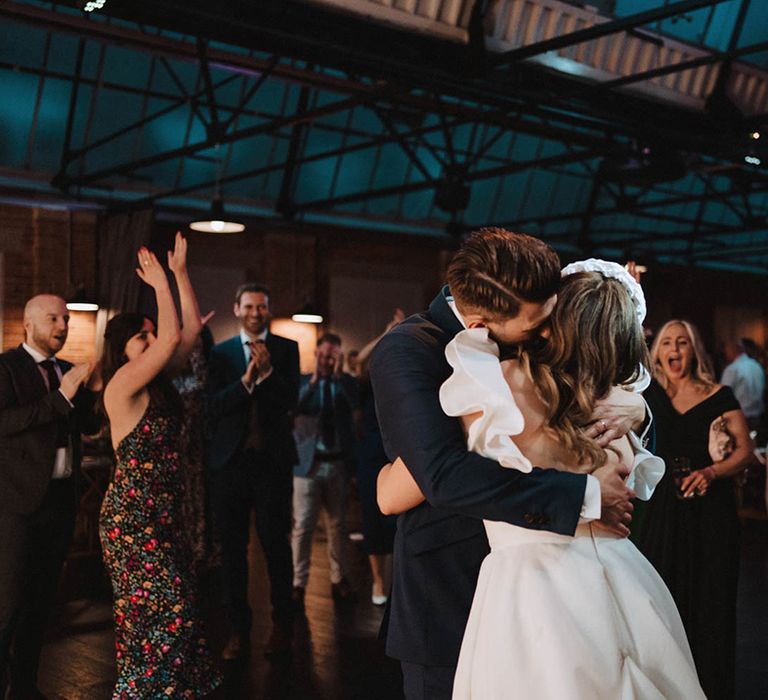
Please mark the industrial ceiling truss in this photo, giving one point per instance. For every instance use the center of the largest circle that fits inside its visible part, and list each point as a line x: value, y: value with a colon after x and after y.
x: 600, y: 134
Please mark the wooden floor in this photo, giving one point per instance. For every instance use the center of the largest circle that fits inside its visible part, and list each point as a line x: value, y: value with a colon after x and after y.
x: 337, y: 655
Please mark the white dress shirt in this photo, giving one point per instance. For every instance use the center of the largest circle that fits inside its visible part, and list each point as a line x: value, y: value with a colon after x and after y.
x: 747, y: 379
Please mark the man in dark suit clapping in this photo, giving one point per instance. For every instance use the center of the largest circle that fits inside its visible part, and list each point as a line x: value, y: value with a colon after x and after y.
x: 253, y: 389
x: 43, y: 410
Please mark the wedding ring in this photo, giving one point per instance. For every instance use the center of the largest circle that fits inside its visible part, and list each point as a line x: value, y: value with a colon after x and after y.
x: 604, y: 424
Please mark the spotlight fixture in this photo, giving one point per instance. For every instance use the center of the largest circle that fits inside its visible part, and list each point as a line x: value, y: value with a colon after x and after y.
x: 307, y: 314
x: 752, y: 160
x: 91, y: 5
x: 641, y: 165
x: 217, y: 222
x: 754, y: 135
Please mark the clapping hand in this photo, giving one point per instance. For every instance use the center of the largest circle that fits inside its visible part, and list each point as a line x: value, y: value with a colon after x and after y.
x: 260, y: 358
x: 73, y: 379
x: 338, y: 365
x: 150, y: 270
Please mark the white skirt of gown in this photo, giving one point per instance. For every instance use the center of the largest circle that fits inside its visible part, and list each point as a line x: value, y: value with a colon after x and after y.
x: 572, y: 618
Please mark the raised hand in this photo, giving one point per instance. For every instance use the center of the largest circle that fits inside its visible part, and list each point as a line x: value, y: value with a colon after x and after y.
x: 73, y: 379
x: 631, y: 268
x: 150, y: 270
x: 177, y: 258
x: 338, y: 365
x: 398, y: 316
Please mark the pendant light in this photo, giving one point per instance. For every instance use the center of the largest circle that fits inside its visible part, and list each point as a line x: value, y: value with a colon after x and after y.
x: 307, y: 314
x: 217, y: 222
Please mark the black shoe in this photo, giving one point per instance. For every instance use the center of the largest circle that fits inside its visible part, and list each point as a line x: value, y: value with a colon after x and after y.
x: 342, y: 591
x: 298, y: 598
x: 280, y: 640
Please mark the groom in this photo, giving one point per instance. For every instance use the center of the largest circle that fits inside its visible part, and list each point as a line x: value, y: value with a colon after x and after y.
x: 508, y: 283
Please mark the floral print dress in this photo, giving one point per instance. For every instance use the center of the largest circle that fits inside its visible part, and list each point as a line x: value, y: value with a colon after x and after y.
x: 160, y: 647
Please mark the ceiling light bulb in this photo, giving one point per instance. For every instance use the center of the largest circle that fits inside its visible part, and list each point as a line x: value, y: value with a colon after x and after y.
x: 752, y: 160
x: 755, y: 135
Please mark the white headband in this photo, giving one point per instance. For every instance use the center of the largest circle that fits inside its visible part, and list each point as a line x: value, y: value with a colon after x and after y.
x: 611, y: 269
x: 617, y: 272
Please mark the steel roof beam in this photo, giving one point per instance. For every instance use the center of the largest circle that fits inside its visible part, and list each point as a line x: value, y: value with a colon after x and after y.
x: 684, y: 199
x: 570, y: 157
x: 272, y: 125
x: 714, y: 57
x: 600, y: 30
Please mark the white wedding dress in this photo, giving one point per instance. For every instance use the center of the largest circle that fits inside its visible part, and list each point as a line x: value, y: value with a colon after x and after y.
x: 557, y: 617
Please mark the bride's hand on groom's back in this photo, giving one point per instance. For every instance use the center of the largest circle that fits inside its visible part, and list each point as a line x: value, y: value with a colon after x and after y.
x: 615, y: 498
x: 616, y: 415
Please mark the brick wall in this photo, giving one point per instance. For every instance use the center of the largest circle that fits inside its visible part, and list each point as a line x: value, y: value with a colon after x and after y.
x: 46, y: 250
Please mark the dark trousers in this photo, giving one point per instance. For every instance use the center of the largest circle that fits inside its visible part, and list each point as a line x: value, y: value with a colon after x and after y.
x: 32, y: 552
x: 251, y: 481
x: 427, y: 682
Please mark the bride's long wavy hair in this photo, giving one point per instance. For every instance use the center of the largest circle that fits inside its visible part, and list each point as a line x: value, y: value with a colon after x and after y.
x: 595, y: 343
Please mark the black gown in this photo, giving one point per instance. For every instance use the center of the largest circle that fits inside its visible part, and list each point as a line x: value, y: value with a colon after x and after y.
x: 694, y: 543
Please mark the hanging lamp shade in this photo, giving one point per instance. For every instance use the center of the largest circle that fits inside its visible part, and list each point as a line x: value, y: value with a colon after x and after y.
x: 218, y: 222
x: 307, y: 314
x: 81, y: 302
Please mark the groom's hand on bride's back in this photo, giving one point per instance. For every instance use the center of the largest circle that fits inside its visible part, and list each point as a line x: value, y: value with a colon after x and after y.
x: 615, y: 498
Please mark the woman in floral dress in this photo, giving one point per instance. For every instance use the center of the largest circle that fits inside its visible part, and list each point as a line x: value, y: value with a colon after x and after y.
x: 161, y: 650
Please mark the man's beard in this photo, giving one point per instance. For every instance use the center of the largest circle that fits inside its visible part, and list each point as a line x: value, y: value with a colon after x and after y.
x: 45, y: 343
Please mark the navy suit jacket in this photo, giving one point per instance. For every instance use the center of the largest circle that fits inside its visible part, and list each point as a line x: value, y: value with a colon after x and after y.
x: 229, y: 401
x: 28, y: 415
x: 346, y: 401
x: 440, y: 545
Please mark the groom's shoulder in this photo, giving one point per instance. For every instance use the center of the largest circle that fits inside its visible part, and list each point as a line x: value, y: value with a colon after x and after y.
x: 415, y: 332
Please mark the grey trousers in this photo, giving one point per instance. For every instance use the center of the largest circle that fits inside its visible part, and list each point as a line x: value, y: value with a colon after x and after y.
x: 324, y: 489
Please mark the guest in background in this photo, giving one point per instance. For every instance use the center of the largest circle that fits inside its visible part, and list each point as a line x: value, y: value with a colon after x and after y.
x: 44, y: 407
x: 325, y: 439
x: 747, y: 379
x: 253, y: 388
x: 191, y: 384
x: 690, y: 528
x: 378, y: 529
x: 161, y: 651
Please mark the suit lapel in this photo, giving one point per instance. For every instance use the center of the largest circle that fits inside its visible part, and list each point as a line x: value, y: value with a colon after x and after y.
x: 237, y: 353
x: 28, y: 375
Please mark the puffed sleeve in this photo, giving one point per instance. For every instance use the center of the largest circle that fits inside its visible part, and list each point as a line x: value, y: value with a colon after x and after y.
x: 477, y: 384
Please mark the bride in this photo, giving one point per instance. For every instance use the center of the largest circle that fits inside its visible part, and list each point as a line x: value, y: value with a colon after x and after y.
x: 557, y: 617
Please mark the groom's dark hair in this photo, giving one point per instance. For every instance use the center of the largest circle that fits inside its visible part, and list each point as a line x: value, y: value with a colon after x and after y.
x: 495, y: 271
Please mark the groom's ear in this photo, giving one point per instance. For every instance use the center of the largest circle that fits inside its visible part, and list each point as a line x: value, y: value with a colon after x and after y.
x: 474, y: 319
x: 475, y: 323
